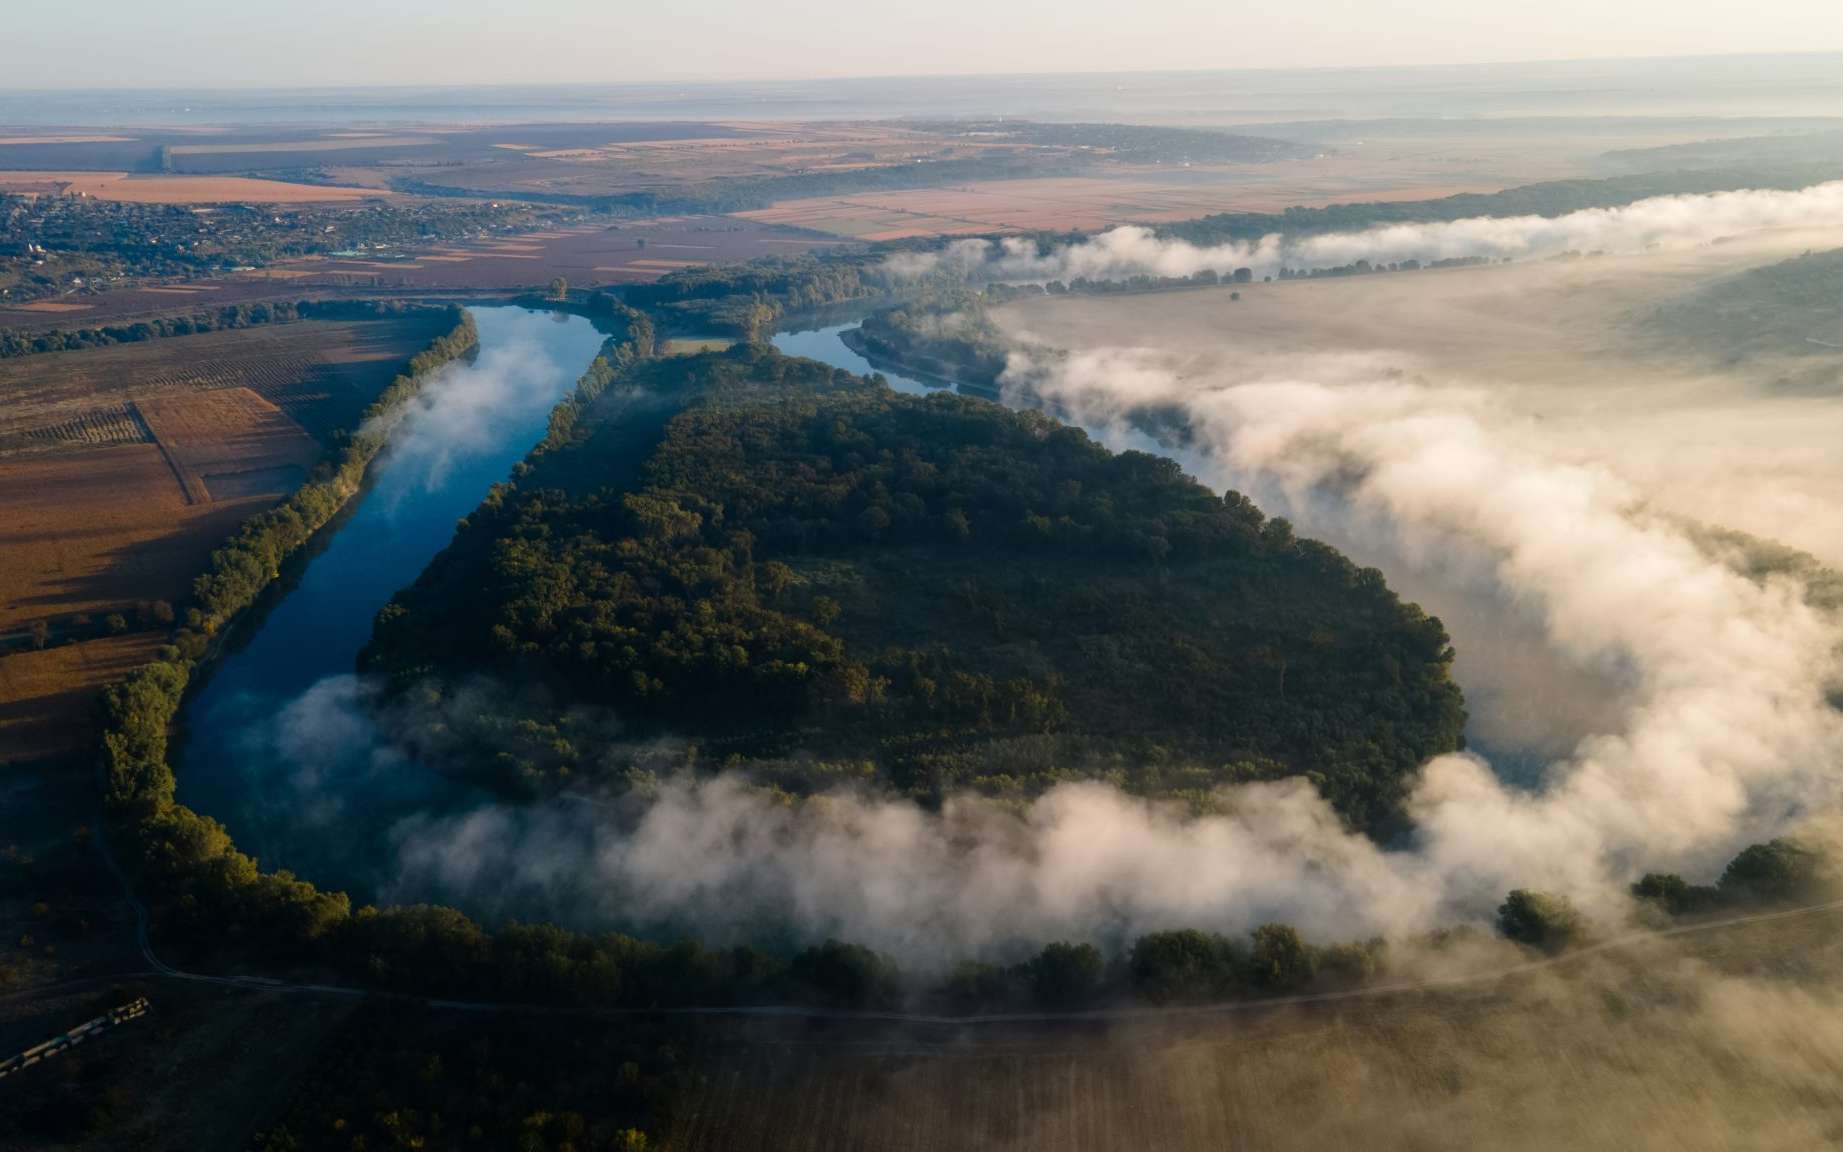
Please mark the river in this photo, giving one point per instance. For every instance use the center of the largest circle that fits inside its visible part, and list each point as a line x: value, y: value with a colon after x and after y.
x: 823, y: 344
x: 277, y: 743
x: 272, y: 745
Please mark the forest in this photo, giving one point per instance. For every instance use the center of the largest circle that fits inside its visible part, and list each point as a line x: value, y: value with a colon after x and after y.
x: 940, y: 591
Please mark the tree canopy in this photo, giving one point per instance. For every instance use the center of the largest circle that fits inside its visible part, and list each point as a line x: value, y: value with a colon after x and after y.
x: 935, y: 591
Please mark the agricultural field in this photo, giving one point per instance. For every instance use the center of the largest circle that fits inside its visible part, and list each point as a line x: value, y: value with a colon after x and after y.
x: 628, y: 252
x: 89, y: 532
x: 228, y: 443
x: 1697, y: 1042
x: 1072, y: 203
x: 159, y: 188
x: 321, y: 373
x: 121, y: 468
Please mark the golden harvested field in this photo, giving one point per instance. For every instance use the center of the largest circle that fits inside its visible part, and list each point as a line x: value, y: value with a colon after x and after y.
x: 165, y: 189
x: 47, y: 698
x: 321, y: 373
x: 121, y: 468
x: 228, y: 443
x: 90, y: 531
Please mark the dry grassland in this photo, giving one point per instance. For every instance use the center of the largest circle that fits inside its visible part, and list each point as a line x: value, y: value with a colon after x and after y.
x: 1731, y: 1041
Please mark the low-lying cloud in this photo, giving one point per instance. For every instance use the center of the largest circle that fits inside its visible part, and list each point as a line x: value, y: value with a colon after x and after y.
x: 1724, y: 732
x: 1662, y: 222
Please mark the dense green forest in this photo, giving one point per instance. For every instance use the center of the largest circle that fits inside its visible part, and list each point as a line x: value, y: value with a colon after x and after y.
x: 938, y: 591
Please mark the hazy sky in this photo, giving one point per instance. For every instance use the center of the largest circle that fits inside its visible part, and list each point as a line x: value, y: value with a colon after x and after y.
x: 199, y: 43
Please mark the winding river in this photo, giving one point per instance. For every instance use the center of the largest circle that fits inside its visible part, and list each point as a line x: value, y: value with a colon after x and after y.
x: 272, y: 745
x: 276, y: 744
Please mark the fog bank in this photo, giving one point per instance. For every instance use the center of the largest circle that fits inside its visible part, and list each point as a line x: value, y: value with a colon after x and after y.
x: 1723, y: 732
x: 1663, y: 222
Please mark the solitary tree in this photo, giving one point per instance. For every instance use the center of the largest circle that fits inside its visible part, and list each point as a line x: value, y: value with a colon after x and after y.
x: 1540, y: 919
x: 1779, y: 870
x: 559, y: 288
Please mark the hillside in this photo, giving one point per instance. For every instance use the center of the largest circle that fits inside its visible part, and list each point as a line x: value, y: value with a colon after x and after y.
x: 1792, y: 308
x: 813, y: 577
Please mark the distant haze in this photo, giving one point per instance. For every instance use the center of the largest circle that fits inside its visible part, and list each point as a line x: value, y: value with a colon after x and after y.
x: 219, y: 43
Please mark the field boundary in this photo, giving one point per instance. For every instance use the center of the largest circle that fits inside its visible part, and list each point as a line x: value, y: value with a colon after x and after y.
x: 166, y: 454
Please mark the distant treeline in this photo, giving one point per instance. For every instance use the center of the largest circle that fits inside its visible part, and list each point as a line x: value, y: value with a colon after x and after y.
x: 1553, y: 198
x: 16, y: 343
x: 748, y: 300
x: 737, y: 195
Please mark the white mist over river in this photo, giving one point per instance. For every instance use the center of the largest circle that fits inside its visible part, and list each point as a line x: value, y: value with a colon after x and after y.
x: 1721, y: 732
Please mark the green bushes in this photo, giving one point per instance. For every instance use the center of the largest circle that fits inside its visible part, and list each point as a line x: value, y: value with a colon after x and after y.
x: 1781, y: 871
x: 1539, y: 919
x: 1777, y: 872
x: 1066, y: 975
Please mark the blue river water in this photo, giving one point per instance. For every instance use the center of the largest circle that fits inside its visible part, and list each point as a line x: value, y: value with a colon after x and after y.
x: 824, y: 344
x: 273, y: 745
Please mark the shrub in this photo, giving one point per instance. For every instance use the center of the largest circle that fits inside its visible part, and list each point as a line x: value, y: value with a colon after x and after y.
x: 1774, y: 872
x: 1064, y: 975
x: 1539, y: 919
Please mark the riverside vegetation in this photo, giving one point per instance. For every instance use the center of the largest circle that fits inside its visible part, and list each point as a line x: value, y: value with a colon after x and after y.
x: 859, y: 570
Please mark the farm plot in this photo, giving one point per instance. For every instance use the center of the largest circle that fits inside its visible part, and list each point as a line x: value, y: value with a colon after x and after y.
x: 162, y: 189
x: 85, y: 533
x: 1082, y: 202
x: 630, y: 252
x: 228, y: 441
x: 322, y: 374
x: 123, y: 467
